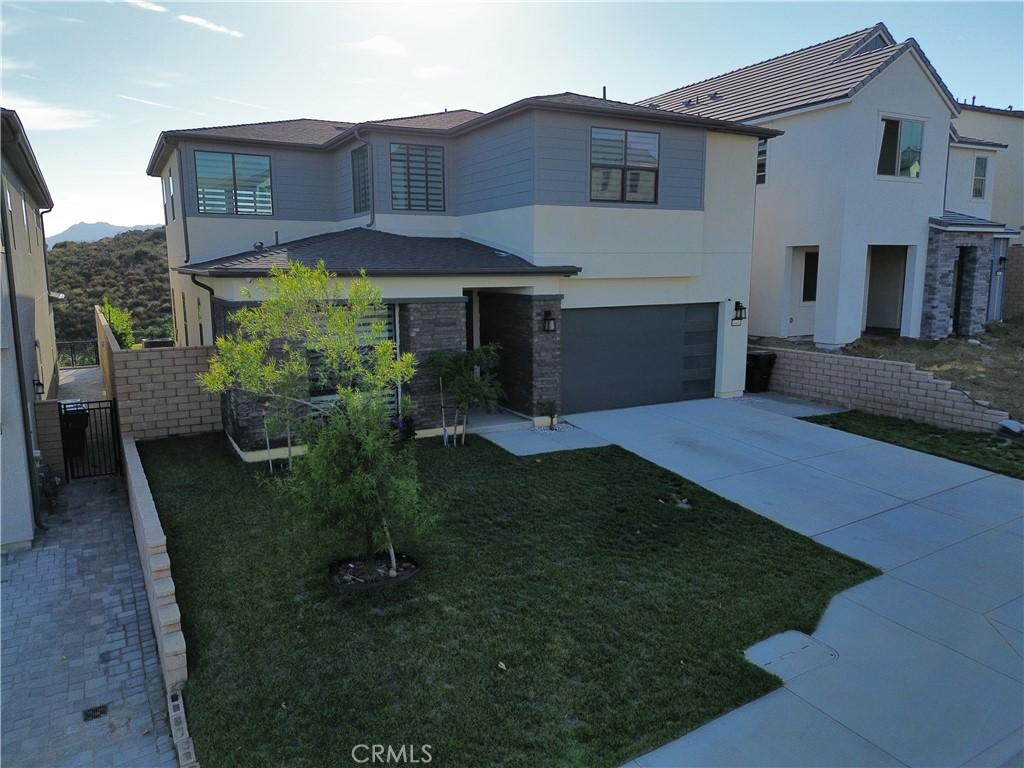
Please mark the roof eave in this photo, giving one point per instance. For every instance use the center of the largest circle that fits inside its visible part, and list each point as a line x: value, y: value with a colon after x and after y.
x: 27, y: 157
x: 563, y: 271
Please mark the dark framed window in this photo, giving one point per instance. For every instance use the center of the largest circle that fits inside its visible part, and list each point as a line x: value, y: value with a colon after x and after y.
x: 761, y: 175
x: 417, y: 177
x: 170, y: 194
x: 900, y: 153
x: 980, y: 175
x: 623, y: 166
x: 810, y: 285
x: 360, y: 179
x: 227, y: 182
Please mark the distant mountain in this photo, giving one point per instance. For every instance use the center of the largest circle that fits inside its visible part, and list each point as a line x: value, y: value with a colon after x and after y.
x: 130, y: 269
x: 84, y: 232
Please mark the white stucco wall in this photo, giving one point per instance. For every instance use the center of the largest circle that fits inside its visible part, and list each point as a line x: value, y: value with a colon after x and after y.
x: 960, y: 181
x: 823, y: 190
x: 1008, y: 191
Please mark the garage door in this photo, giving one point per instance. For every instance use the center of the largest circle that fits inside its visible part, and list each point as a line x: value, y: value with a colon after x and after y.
x: 615, y: 357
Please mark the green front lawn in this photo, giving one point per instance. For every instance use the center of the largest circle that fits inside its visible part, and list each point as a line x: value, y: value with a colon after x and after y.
x: 619, y: 611
x: 992, y: 452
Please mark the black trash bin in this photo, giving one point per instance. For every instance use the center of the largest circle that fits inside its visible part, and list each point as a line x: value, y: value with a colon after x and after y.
x: 75, y: 423
x: 759, y: 369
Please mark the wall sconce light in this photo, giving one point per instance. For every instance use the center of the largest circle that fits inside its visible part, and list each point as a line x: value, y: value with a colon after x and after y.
x: 740, y: 313
x: 38, y: 388
x: 549, y: 321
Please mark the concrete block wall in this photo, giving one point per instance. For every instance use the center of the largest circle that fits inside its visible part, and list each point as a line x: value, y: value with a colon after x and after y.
x: 156, y: 390
x: 156, y: 570
x: 158, y: 394
x: 1013, y: 287
x: 48, y: 436
x: 882, y: 387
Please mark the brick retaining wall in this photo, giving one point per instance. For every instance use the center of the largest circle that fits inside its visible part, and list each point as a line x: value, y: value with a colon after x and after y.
x: 156, y: 389
x: 883, y: 387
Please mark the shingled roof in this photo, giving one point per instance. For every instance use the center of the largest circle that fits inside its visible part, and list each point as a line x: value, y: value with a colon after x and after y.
x: 379, y: 253
x: 829, y: 71
x: 325, y: 134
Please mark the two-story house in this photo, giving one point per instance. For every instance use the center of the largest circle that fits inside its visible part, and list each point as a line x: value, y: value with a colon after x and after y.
x: 870, y: 213
x: 28, y: 355
x: 605, y: 246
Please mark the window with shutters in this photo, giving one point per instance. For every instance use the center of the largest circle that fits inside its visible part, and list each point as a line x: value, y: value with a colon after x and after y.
x: 417, y: 177
x: 360, y: 180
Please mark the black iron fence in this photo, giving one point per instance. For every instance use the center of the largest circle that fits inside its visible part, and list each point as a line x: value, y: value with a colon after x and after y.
x: 77, y: 354
x: 91, y: 438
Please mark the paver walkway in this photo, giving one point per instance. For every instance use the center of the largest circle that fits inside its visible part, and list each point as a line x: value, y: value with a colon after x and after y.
x: 76, y: 634
x: 82, y: 383
x: 921, y: 666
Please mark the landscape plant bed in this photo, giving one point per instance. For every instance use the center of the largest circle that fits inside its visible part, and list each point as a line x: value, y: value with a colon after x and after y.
x: 569, y: 611
x: 996, y: 453
x: 354, y: 574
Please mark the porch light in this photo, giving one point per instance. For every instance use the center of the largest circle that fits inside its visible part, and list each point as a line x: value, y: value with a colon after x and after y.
x: 549, y: 321
x: 38, y: 388
x: 740, y: 313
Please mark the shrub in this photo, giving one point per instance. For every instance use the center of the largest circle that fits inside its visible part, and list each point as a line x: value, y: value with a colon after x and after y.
x: 120, y: 322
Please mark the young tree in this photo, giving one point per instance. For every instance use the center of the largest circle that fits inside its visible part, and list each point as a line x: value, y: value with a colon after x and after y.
x: 468, y: 379
x: 352, y: 468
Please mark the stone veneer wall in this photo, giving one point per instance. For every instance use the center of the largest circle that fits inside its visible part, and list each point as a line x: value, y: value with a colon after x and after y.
x: 883, y: 387
x: 156, y: 389
x: 1013, y: 286
x: 940, y: 273
x: 48, y: 435
x: 425, y: 328
x: 530, y: 366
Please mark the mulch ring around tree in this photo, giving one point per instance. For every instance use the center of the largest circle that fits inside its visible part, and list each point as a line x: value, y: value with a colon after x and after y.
x: 354, y: 574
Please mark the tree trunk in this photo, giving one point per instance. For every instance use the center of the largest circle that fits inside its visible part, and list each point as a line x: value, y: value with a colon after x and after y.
x: 288, y: 433
x: 393, y: 571
x: 266, y: 434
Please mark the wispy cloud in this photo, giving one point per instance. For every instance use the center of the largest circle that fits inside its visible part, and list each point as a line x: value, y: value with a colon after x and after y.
x: 43, y: 116
x: 249, y: 104
x: 434, y: 72
x: 161, y: 105
x: 9, y: 64
x: 147, y: 6
x: 70, y: 20
x: 381, y: 45
x: 199, y: 21
x: 153, y: 83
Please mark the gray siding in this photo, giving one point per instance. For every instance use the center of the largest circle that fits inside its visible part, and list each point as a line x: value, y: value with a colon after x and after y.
x: 304, y: 183
x: 563, y: 161
x: 342, y: 161
x: 495, y: 166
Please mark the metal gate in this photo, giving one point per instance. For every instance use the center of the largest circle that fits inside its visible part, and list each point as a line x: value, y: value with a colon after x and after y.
x: 91, y: 438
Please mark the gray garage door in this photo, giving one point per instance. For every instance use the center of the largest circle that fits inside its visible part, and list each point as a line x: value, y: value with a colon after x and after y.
x: 614, y: 357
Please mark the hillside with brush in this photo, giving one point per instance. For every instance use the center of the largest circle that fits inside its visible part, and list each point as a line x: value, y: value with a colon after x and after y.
x: 130, y: 269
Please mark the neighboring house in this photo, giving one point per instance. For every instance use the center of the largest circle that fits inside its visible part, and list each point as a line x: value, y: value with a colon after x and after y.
x: 605, y: 246
x: 1005, y: 126
x: 858, y: 225
x: 28, y: 358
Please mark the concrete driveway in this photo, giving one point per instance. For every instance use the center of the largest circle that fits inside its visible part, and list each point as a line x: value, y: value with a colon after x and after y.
x: 921, y: 666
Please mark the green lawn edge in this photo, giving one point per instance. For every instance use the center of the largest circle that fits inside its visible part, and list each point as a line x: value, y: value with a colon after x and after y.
x: 986, y: 451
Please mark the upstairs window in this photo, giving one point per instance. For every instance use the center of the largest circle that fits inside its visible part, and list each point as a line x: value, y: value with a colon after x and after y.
x: 360, y: 179
x: 170, y: 194
x: 234, y: 183
x: 623, y: 166
x: 980, y: 172
x: 417, y: 177
x: 900, y: 154
x: 762, y: 161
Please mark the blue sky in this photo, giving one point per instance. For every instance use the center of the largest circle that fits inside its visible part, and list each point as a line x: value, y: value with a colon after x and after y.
x: 96, y: 82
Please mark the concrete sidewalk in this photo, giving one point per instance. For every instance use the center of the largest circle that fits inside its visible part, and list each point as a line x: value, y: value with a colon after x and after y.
x: 921, y: 666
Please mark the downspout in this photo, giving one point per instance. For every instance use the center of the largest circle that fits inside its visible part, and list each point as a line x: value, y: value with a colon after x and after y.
x: 20, y: 366
x: 369, y: 173
x: 209, y: 290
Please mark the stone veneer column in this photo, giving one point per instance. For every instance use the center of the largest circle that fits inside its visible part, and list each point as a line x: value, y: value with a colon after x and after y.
x: 530, y: 369
x: 425, y: 328
x: 940, y: 274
